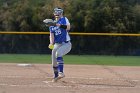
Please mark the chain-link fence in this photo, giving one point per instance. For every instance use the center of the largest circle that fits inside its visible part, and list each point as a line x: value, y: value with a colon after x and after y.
x: 81, y: 44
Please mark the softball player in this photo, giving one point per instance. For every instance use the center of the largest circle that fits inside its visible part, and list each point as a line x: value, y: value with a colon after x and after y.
x: 59, y: 42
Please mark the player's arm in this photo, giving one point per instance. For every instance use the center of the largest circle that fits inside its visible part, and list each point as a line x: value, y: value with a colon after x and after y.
x: 51, y: 45
x: 51, y: 38
x: 68, y: 27
x: 65, y: 26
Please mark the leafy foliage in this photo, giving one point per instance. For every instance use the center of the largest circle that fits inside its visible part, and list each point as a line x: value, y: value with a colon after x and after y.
x: 119, y: 16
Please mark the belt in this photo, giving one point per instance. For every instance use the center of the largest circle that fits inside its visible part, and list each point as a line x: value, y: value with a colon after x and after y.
x: 66, y: 41
x: 63, y: 42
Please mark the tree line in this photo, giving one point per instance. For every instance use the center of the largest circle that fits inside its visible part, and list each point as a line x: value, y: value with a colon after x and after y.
x: 101, y: 16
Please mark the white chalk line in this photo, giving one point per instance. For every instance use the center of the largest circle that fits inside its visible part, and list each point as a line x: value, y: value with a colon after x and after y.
x: 97, y: 78
x: 47, y: 83
x: 14, y: 76
x: 100, y: 78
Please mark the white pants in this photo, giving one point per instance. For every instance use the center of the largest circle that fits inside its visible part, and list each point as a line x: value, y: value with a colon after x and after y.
x: 60, y: 50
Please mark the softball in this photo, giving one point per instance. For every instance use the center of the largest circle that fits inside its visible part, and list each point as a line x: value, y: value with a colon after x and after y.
x: 51, y: 46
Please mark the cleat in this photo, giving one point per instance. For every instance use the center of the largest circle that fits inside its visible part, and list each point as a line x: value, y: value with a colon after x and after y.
x: 55, y: 79
x: 61, y: 75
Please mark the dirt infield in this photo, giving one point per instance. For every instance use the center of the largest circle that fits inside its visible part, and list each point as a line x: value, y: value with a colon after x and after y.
x: 79, y: 79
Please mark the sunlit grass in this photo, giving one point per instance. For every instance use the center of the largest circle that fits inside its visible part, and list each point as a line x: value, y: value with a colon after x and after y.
x: 72, y: 59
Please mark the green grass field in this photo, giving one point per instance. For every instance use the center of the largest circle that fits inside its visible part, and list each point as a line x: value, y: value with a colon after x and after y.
x: 72, y: 59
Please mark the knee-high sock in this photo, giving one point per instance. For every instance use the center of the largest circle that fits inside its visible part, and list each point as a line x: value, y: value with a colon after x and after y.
x: 60, y: 64
x: 55, y: 69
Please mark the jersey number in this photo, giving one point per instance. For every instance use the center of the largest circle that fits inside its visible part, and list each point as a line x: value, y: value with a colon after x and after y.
x: 57, y: 32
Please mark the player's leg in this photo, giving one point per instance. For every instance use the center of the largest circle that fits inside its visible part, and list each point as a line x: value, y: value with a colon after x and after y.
x: 60, y: 64
x: 54, y: 60
x: 60, y: 67
x: 63, y: 50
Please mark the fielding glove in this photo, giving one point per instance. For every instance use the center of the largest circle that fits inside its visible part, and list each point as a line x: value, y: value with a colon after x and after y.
x: 49, y: 22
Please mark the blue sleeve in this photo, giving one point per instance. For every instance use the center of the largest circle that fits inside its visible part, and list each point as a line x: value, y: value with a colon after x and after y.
x: 63, y: 21
x: 51, y: 29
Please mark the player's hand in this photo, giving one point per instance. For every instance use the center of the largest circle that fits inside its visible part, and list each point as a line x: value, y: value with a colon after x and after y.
x: 51, y: 46
x: 58, y: 25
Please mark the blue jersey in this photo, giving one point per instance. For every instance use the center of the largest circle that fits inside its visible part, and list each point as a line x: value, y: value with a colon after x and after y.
x: 60, y: 34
